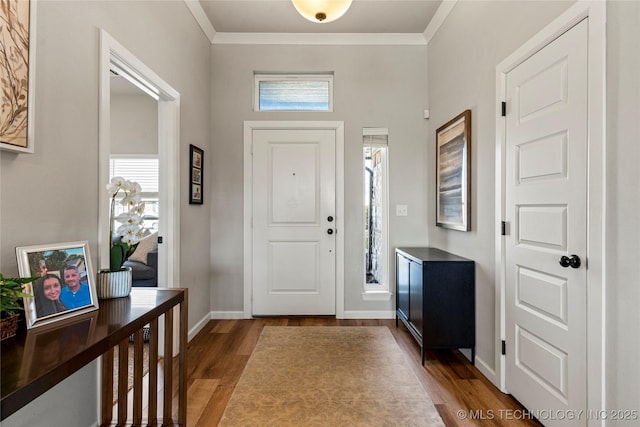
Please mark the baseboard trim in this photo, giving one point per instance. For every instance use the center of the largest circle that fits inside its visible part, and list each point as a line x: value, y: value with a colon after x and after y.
x: 369, y: 314
x: 198, y: 327
x: 487, y: 371
x: 227, y: 315
x: 356, y: 314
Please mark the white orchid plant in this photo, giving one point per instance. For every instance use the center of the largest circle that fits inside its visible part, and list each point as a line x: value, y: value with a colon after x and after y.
x: 131, y: 228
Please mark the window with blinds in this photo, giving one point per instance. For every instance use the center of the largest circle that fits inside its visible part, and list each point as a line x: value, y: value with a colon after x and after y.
x: 298, y: 92
x: 145, y: 171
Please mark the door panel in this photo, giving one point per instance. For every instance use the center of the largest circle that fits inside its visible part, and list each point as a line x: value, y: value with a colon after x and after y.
x: 294, y: 184
x: 293, y: 195
x: 546, y: 159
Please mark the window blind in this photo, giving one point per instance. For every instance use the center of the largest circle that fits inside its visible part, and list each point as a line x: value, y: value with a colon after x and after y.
x: 144, y: 171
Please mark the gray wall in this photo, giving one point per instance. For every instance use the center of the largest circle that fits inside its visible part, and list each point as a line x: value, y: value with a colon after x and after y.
x: 375, y: 86
x: 476, y: 37
x: 52, y: 195
x: 134, y: 124
x: 463, y: 56
x: 623, y: 204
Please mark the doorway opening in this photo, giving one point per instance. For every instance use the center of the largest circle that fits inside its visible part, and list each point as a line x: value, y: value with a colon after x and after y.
x: 115, y: 57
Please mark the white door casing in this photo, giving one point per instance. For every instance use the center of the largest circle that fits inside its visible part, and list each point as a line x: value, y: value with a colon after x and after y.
x: 546, y: 209
x: 168, y: 155
x: 293, y: 200
x: 292, y: 186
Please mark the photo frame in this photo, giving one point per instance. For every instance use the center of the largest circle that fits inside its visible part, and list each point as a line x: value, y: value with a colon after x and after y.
x: 196, y: 163
x: 17, y: 120
x: 66, y: 284
x: 453, y: 170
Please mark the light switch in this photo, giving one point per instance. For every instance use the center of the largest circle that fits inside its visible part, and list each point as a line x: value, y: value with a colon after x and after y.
x: 401, y: 210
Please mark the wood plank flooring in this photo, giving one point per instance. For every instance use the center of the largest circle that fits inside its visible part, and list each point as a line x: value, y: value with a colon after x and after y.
x: 462, y: 395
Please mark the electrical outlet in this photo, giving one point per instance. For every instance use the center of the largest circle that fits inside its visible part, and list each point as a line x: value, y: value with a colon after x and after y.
x: 401, y: 210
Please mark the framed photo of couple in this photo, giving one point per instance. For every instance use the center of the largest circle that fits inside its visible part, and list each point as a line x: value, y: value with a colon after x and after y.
x: 196, y: 162
x: 65, y: 286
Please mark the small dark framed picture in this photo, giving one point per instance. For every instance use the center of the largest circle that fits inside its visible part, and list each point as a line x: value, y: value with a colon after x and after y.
x: 196, y: 162
x: 65, y: 286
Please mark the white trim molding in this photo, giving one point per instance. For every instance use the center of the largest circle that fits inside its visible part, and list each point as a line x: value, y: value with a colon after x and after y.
x: 376, y: 295
x: 201, y: 18
x: 320, y: 38
x: 438, y: 19
x: 357, y: 314
x: 595, y: 11
x: 114, y: 53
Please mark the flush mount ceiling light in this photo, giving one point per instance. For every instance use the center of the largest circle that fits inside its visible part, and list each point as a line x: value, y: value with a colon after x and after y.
x: 322, y: 10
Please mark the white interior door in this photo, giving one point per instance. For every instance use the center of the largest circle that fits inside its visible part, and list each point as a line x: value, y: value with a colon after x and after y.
x: 546, y: 206
x: 294, y: 210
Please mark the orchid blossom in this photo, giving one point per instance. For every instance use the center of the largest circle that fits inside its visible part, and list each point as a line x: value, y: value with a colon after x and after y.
x: 131, y: 229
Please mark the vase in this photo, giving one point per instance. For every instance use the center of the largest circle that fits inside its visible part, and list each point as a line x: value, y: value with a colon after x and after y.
x: 9, y: 326
x: 114, y: 284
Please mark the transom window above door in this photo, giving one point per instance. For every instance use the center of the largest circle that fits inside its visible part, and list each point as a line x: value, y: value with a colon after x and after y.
x: 293, y: 92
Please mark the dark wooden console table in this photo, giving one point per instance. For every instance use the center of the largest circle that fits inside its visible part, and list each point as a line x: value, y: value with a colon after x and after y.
x: 435, y: 298
x: 34, y: 362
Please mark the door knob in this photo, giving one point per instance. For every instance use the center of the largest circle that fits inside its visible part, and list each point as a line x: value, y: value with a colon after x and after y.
x: 330, y: 231
x: 330, y: 218
x: 573, y: 261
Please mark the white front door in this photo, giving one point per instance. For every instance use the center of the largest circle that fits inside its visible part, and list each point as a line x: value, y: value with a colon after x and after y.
x: 546, y: 207
x: 294, y: 217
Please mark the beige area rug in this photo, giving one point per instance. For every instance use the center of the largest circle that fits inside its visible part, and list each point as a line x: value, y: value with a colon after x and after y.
x: 328, y: 376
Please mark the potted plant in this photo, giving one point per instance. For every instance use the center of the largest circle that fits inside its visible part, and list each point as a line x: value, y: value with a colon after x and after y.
x: 11, y: 294
x: 116, y: 281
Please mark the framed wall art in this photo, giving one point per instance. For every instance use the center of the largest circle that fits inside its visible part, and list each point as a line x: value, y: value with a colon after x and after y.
x: 65, y: 286
x: 196, y: 163
x: 17, y: 75
x: 453, y: 168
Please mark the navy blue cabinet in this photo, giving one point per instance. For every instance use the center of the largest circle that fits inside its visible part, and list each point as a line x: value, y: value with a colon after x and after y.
x: 435, y: 298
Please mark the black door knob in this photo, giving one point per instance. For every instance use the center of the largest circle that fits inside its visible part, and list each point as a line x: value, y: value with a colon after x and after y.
x: 330, y: 231
x: 330, y: 218
x: 573, y: 261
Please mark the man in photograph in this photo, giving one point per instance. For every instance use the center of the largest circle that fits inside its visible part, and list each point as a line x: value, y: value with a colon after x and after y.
x: 74, y: 294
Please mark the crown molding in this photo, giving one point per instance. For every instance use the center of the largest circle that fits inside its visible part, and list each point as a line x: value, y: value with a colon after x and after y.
x: 414, y: 39
x: 201, y: 18
x: 446, y: 6
x: 320, y: 38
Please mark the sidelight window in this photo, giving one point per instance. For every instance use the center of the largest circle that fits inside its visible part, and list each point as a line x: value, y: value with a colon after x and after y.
x: 376, y: 263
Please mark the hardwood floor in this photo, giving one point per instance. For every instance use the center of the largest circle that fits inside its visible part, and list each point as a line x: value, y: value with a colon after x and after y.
x: 462, y: 395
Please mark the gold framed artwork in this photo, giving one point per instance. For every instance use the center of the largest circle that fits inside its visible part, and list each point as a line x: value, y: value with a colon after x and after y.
x: 196, y: 160
x: 17, y: 75
x: 453, y: 169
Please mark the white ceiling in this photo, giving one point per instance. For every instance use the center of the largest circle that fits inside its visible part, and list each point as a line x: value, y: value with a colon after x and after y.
x: 280, y: 16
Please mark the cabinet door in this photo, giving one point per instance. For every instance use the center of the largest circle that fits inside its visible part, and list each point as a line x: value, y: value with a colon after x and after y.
x: 402, y: 285
x: 415, y: 295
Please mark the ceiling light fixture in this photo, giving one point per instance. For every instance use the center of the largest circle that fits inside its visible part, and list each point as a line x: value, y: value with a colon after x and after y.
x: 322, y: 10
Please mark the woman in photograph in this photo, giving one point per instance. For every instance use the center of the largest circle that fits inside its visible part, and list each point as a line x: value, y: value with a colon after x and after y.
x: 47, y: 295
